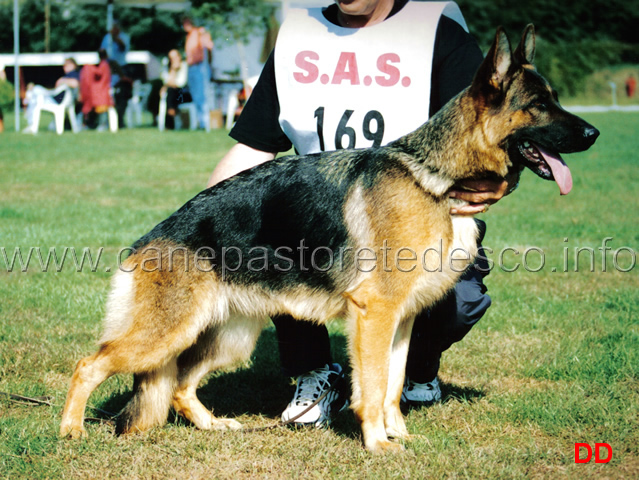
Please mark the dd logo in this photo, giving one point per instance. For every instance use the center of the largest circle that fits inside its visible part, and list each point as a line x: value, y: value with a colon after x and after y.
x: 598, y: 459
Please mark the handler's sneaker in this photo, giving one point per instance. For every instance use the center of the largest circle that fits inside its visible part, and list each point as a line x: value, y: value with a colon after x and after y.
x: 310, y: 387
x: 418, y: 394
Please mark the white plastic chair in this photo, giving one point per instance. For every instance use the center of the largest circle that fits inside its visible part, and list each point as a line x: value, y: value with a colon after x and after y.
x: 67, y: 106
x: 112, y: 118
x: 136, y: 103
x: 190, y: 107
x: 162, y: 111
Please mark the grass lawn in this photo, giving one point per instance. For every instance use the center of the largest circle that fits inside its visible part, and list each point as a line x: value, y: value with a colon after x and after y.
x: 554, y: 362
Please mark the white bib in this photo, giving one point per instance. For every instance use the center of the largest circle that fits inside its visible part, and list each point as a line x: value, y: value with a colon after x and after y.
x: 355, y: 88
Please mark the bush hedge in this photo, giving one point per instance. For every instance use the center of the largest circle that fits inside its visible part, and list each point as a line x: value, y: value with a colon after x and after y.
x: 6, y: 94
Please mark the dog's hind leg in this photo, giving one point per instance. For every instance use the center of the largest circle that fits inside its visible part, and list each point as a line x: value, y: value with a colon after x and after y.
x: 217, y: 348
x: 393, y: 418
x: 193, y: 365
x: 151, y: 319
x: 149, y: 407
x: 88, y: 375
x: 152, y: 390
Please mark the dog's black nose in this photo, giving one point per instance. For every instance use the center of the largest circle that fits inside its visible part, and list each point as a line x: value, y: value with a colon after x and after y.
x: 591, y: 134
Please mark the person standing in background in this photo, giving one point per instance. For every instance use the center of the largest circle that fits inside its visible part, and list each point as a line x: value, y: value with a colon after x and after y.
x: 174, y: 80
x: 116, y: 43
x: 631, y: 86
x: 199, y: 50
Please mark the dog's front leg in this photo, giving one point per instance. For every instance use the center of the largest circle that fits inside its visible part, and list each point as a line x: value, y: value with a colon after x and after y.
x: 374, y: 326
x: 393, y: 418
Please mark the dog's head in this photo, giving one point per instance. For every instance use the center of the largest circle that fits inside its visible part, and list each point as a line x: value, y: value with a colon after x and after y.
x: 533, y: 128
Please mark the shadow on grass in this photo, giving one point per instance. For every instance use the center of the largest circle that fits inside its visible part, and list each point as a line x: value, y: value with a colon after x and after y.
x: 261, y: 390
x: 453, y: 393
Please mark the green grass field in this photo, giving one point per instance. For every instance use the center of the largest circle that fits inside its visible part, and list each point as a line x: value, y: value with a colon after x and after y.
x: 554, y: 362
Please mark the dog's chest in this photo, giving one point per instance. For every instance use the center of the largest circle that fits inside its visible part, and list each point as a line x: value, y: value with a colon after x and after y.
x: 464, y: 245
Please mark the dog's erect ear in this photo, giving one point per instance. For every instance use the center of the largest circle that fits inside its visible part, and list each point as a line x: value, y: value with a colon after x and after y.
x: 525, y: 51
x: 493, y: 72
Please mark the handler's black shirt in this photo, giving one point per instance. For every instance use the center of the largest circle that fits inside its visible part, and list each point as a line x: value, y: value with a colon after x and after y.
x: 456, y: 57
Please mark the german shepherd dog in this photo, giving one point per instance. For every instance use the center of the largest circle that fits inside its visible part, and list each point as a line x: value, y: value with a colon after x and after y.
x: 302, y: 236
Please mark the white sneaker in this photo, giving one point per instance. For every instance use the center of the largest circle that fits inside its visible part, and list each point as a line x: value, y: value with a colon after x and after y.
x: 417, y: 394
x: 312, y: 386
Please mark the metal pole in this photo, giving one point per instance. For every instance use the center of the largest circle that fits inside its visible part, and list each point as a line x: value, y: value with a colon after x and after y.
x: 109, y: 26
x: 16, y: 69
x: 109, y: 15
x: 613, y: 87
x: 47, y: 26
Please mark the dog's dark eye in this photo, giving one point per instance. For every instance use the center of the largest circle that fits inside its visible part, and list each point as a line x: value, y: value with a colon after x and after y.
x: 539, y: 105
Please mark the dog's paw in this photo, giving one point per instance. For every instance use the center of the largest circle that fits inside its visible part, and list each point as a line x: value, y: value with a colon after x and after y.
x: 398, y: 434
x: 394, y: 424
x: 73, y: 432
x: 385, y: 446
x: 225, y: 424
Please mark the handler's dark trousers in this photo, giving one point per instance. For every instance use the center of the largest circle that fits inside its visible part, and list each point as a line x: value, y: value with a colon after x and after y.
x: 305, y: 346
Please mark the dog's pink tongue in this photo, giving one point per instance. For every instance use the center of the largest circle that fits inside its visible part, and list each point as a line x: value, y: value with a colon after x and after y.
x: 560, y: 170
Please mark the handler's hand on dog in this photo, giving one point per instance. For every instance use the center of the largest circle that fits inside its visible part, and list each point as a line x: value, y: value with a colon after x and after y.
x: 479, y: 194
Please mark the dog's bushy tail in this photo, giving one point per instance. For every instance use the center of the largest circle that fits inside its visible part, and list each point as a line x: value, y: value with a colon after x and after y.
x: 152, y: 395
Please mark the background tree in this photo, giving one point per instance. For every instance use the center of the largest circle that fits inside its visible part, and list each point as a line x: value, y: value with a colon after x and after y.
x: 77, y: 27
x: 233, y: 20
x: 574, y: 38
